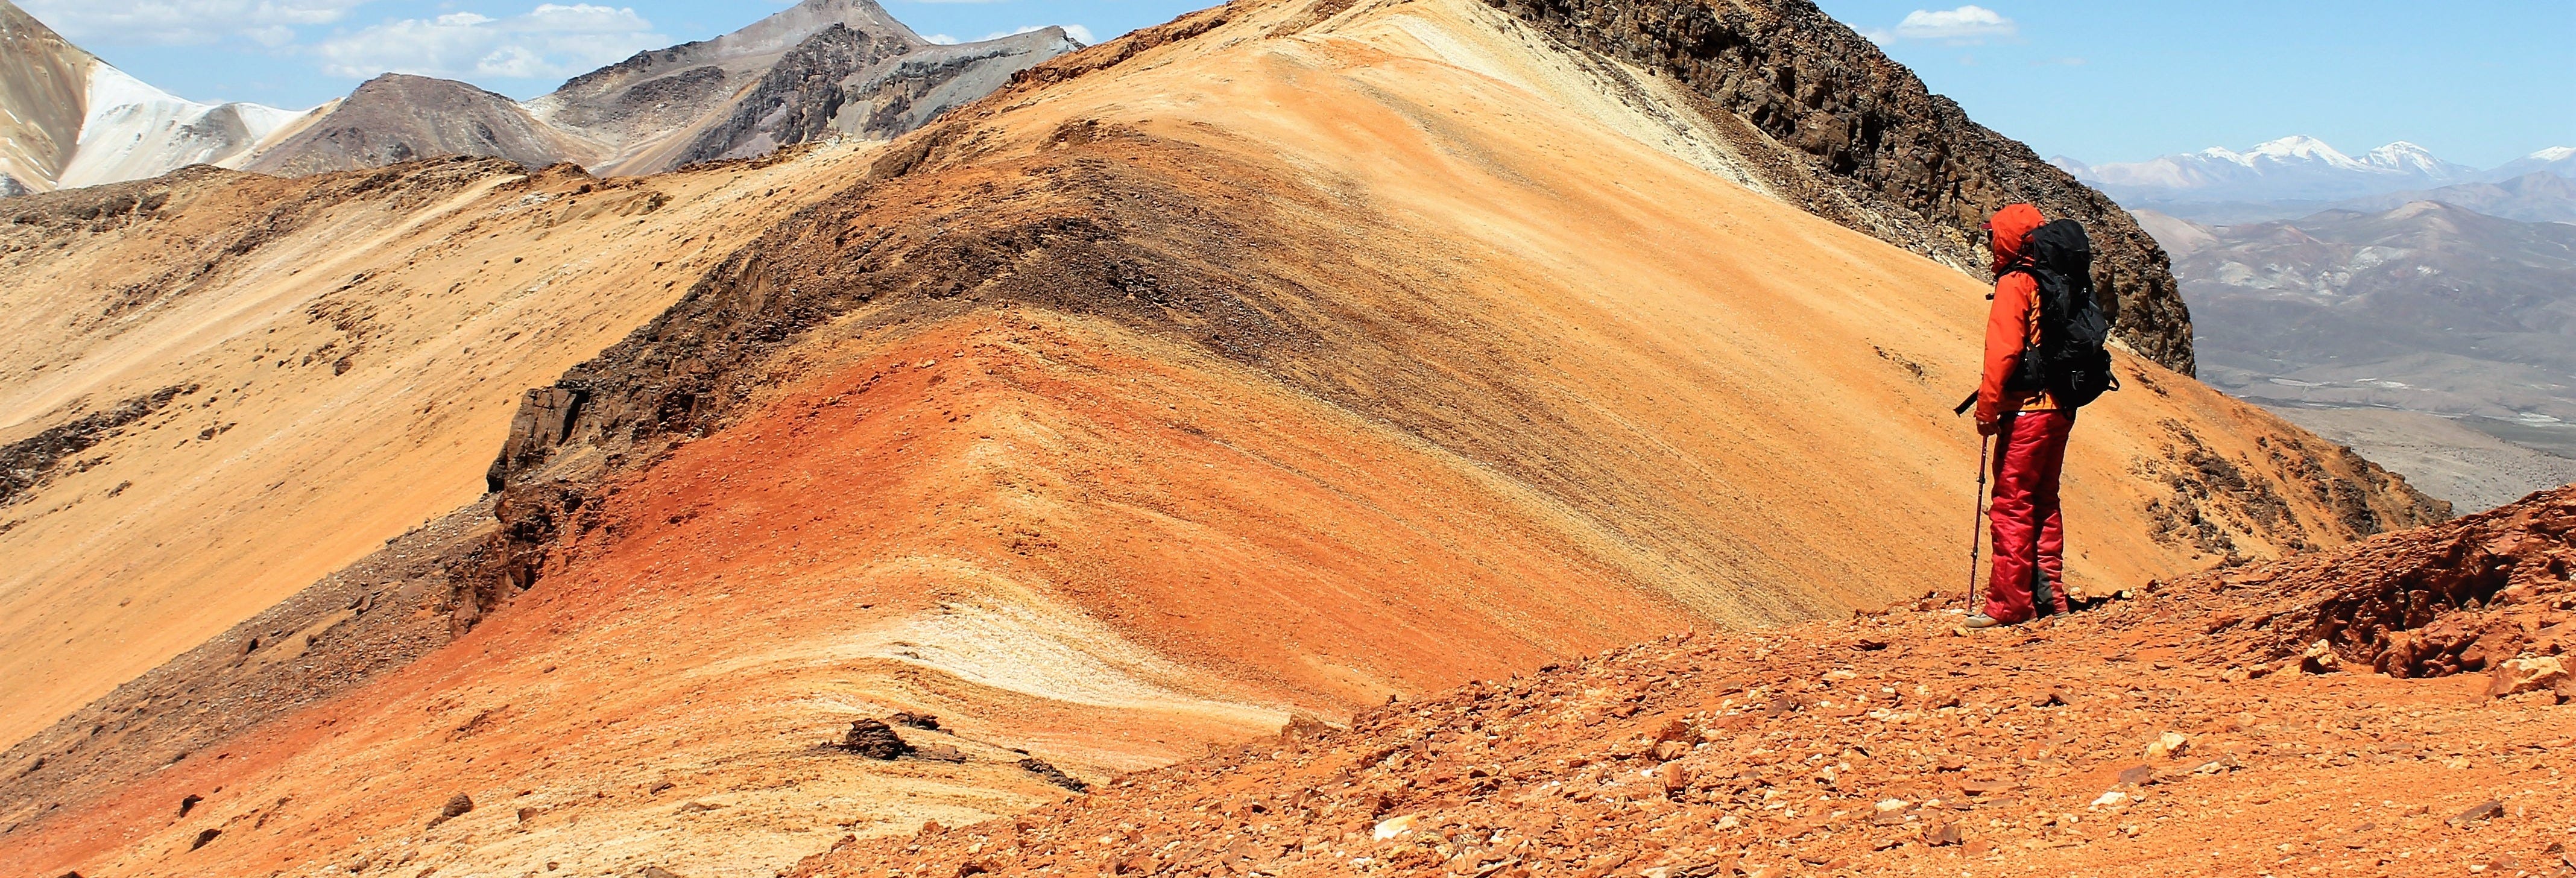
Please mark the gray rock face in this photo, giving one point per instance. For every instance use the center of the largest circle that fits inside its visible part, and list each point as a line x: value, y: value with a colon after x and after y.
x: 848, y: 82
x: 821, y: 68
x: 1841, y: 130
x: 396, y: 118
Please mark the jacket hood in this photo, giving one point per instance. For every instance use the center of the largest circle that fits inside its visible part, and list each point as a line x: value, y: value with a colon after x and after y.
x: 2011, y: 230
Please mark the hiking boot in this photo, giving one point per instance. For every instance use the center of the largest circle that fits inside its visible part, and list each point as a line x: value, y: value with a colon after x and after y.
x: 1982, y: 620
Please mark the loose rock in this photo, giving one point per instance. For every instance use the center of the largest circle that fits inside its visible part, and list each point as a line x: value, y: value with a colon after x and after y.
x: 2478, y: 813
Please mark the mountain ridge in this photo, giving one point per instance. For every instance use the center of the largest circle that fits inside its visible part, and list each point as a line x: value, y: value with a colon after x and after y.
x: 2295, y: 168
x: 820, y: 68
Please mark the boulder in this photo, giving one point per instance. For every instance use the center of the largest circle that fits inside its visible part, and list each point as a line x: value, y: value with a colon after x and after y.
x: 2529, y: 674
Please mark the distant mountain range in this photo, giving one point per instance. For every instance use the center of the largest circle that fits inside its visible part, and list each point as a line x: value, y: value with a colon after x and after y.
x: 2293, y: 176
x: 819, y: 68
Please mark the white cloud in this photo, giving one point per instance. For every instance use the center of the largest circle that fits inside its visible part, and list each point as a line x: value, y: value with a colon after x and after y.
x: 549, y: 41
x: 942, y: 39
x: 1961, y: 26
x: 185, y: 22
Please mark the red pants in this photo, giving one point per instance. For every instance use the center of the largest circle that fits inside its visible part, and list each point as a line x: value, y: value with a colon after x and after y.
x: 2030, y: 532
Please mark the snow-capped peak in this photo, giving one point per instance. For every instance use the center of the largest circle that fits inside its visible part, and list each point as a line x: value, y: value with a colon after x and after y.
x: 2407, y: 158
x: 2552, y: 154
x: 134, y: 130
x: 2300, y: 148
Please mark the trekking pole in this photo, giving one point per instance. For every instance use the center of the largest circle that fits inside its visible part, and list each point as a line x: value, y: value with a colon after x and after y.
x: 1977, y: 527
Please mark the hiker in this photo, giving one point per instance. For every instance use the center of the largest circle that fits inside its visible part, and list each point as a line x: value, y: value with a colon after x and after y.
x: 2044, y: 359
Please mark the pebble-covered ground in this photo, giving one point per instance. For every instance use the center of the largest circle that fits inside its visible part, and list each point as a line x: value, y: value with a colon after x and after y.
x: 2174, y: 732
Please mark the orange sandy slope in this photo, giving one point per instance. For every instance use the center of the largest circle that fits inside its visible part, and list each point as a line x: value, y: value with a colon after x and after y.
x: 356, y: 369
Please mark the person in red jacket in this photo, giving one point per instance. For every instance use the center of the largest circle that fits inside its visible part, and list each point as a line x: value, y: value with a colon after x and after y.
x: 2029, y: 429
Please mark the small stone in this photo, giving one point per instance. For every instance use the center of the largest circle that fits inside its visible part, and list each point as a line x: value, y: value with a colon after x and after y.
x: 1392, y: 827
x: 2482, y: 811
x: 2320, y: 659
x: 189, y: 803
x: 2138, y: 775
x: 659, y: 872
x: 203, y: 837
x: 2170, y: 745
x: 2529, y: 674
x: 2112, y: 798
x: 1977, y: 847
x: 457, y: 806
x: 938, y: 753
x: 1886, y: 806
x: 922, y: 721
x: 1942, y: 834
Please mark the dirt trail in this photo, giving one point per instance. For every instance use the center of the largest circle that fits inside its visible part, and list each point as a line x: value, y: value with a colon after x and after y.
x: 2125, y: 739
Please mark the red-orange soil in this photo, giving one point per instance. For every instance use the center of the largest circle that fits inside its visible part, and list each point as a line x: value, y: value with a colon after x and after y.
x: 2126, y: 739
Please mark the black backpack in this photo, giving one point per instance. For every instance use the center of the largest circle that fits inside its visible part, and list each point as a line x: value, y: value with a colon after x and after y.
x: 2068, y: 359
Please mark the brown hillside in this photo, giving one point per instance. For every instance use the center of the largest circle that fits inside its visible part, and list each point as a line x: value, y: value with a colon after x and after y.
x: 1269, y: 363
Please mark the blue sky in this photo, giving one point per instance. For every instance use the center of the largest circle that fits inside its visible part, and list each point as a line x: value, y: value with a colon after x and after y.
x: 2476, y: 82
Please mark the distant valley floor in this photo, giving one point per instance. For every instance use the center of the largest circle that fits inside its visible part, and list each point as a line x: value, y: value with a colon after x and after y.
x: 2476, y: 463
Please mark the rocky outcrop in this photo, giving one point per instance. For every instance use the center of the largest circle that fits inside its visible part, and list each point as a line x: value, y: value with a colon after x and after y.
x: 26, y: 463
x: 1857, y: 138
x: 545, y: 415
x: 2460, y: 597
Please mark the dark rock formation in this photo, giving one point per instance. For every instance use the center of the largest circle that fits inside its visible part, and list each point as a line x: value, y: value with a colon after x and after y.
x: 874, y: 739
x: 1053, y: 775
x: 545, y: 416
x: 1857, y: 139
x: 28, y: 462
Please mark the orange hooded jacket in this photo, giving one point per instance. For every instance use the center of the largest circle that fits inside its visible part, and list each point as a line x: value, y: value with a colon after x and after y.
x: 2013, y: 322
